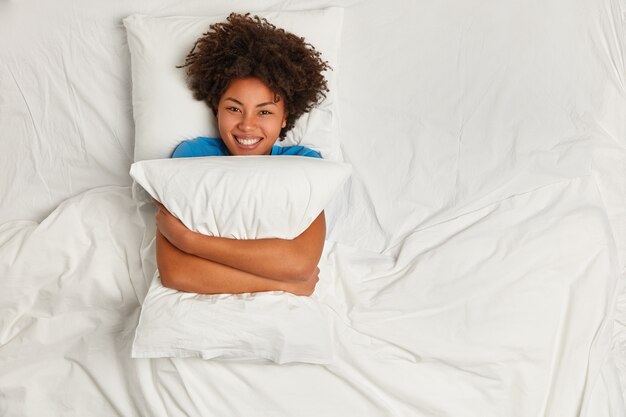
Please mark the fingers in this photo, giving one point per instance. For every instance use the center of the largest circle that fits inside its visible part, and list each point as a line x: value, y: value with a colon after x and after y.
x: 161, y: 213
x: 158, y: 204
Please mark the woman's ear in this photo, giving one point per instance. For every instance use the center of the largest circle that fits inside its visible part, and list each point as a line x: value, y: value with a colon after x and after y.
x: 284, y: 122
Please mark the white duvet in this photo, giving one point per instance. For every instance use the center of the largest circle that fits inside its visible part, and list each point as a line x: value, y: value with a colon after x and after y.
x: 475, y: 263
x: 506, y: 310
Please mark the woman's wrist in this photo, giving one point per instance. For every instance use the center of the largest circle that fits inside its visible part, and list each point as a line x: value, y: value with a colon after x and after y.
x: 190, y: 242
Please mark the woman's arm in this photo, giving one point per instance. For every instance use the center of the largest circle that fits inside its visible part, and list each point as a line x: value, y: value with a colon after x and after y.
x: 277, y: 259
x: 185, y: 272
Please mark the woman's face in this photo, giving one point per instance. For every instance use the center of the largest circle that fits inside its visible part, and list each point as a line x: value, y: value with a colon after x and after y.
x: 249, y: 118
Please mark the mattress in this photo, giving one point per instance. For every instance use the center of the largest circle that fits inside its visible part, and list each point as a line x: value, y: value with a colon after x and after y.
x: 474, y: 263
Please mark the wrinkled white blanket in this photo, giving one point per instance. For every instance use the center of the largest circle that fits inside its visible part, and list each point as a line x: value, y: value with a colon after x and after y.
x: 475, y: 264
x: 488, y: 313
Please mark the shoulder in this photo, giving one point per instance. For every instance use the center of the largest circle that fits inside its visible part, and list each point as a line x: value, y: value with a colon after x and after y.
x: 295, y: 150
x: 200, y: 146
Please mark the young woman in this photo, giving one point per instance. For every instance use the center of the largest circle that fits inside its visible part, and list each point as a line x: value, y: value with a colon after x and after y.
x: 258, y: 80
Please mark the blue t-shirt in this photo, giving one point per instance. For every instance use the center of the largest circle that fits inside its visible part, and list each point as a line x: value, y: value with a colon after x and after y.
x: 202, y: 146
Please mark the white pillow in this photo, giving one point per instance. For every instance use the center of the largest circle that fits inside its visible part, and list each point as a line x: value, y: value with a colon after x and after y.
x: 164, y: 109
x: 243, y: 197
x: 276, y: 326
x: 239, y: 197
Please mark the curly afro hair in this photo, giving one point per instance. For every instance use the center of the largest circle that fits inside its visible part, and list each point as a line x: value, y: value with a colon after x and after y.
x: 247, y: 46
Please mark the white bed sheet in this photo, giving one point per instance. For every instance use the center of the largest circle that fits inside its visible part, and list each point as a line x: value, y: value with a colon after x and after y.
x: 475, y: 265
x: 476, y: 316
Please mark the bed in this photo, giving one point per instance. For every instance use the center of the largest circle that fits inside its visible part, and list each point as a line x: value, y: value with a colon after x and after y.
x: 475, y: 260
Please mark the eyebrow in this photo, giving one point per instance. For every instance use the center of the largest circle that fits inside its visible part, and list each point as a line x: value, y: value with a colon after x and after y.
x: 258, y: 105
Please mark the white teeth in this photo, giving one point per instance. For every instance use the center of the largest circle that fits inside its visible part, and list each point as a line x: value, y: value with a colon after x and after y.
x: 247, y: 141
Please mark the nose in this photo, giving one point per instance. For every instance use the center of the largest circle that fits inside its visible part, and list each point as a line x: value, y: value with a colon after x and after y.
x: 247, y: 122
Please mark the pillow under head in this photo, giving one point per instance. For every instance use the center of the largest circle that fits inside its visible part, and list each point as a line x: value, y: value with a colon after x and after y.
x: 164, y: 109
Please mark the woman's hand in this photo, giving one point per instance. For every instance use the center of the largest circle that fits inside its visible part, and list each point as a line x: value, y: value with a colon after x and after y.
x: 171, y: 228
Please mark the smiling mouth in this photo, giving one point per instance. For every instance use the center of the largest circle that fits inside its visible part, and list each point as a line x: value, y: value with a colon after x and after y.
x: 247, y: 141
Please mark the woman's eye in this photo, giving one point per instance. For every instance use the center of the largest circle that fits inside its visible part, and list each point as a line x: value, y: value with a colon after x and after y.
x: 265, y: 112
x: 233, y: 109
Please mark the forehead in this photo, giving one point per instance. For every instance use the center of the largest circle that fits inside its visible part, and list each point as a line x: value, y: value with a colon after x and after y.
x: 250, y: 89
